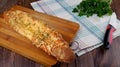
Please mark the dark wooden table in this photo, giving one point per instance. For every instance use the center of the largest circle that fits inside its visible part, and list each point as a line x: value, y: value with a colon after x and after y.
x: 96, y: 58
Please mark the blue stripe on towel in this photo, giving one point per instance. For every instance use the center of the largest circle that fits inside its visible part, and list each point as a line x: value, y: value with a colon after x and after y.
x: 87, y: 24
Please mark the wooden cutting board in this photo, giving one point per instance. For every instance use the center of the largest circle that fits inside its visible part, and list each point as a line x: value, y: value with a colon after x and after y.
x: 19, y: 44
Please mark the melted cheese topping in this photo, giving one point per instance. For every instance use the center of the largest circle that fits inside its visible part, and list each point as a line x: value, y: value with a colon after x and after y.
x: 35, y: 30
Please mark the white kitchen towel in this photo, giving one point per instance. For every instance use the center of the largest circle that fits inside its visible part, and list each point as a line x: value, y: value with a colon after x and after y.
x: 92, y: 29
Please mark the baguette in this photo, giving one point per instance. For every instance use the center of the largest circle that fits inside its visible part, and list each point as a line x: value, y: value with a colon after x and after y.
x: 40, y: 34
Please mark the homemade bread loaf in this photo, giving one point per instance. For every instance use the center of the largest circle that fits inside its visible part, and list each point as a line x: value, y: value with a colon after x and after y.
x: 40, y: 34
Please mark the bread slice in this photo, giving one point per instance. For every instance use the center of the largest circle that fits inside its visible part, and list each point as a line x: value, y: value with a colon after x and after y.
x: 40, y: 34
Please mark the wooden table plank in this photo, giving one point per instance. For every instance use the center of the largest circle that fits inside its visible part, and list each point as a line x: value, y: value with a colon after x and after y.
x: 98, y: 57
x: 5, y: 4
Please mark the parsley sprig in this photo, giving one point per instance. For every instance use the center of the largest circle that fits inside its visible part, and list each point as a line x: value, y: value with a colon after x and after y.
x: 90, y: 7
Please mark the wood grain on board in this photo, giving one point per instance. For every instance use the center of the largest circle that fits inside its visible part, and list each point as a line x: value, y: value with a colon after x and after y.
x: 17, y: 43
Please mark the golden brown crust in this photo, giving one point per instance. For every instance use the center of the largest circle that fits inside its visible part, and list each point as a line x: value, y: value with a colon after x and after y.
x: 40, y: 34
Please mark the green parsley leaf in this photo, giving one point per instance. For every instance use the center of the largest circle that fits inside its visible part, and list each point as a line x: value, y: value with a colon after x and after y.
x: 90, y: 7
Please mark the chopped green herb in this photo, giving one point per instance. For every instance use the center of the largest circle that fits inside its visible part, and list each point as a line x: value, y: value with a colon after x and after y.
x: 75, y: 10
x: 90, y: 7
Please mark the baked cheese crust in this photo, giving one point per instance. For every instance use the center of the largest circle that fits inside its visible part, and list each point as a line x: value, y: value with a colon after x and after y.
x: 41, y: 35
